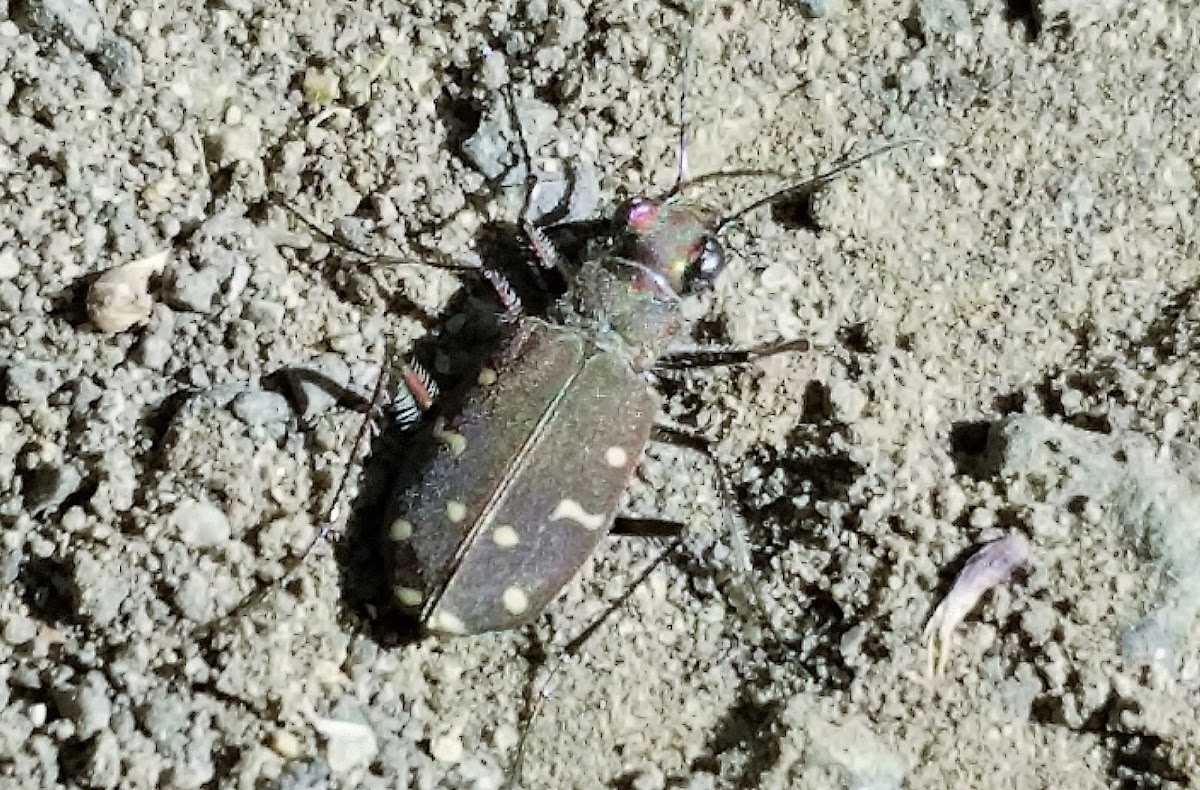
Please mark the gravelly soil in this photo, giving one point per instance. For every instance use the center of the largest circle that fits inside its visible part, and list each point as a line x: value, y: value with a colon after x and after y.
x: 1003, y: 330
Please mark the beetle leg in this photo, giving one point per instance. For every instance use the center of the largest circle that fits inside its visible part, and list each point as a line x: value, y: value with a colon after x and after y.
x: 721, y: 355
x: 681, y: 436
x: 510, y: 303
x: 414, y: 397
x: 666, y: 433
x: 543, y: 248
x: 332, y: 514
x: 573, y: 649
x: 628, y: 526
x: 547, y: 256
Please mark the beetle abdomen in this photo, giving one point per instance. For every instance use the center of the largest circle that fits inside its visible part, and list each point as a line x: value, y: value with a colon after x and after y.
x: 526, y: 483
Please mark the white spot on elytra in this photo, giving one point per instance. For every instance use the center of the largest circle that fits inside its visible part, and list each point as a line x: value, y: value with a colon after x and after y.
x: 401, y: 529
x: 447, y: 623
x: 506, y: 536
x: 616, y: 457
x: 455, y: 442
x: 409, y: 596
x: 569, y: 508
x: 515, y: 600
x: 456, y: 511
x: 487, y: 377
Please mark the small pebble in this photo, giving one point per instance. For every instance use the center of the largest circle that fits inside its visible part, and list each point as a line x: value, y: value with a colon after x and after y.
x: 194, y: 290
x: 74, y: 519
x: 241, y: 143
x: 19, y: 630
x: 193, y: 596
x: 46, y: 487
x: 87, y: 704
x: 120, y: 298
x: 104, y: 767
x: 348, y: 744
x: 76, y: 23
x: 818, y: 8
x: 447, y: 748
x: 260, y: 407
x: 200, y: 524
x: 982, y: 518
x: 321, y: 86
x: 10, y: 267
x: 154, y: 351
x: 267, y: 315
x: 285, y: 744
x: 28, y: 382
x: 506, y: 737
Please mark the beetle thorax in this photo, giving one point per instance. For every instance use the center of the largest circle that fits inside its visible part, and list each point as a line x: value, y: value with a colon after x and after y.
x: 605, y: 300
x: 660, y: 252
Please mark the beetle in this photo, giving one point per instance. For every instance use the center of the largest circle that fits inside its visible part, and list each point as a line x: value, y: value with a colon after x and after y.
x: 531, y: 464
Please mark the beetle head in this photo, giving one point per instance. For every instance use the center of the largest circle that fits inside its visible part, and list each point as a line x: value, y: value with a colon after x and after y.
x: 671, y: 243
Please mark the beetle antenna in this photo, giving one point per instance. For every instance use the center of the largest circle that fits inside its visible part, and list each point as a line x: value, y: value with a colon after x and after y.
x: 808, y: 185
x: 689, y: 57
x: 442, y: 262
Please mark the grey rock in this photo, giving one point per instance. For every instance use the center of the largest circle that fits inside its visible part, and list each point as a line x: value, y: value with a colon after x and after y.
x: 944, y: 16
x: 260, y: 408
x: 154, y: 351
x: 87, y: 704
x: 77, y: 24
x: 194, y: 290
x: 201, y: 524
x: 47, y: 486
x: 28, y: 382
x: 119, y: 61
x: 493, y: 151
x: 104, y: 761
x: 818, y: 8
x: 165, y: 720
x: 80, y: 27
x: 19, y: 630
x: 193, y: 597
x: 98, y: 590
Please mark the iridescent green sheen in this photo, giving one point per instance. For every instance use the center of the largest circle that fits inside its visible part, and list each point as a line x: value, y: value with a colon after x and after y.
x: 665, y: 237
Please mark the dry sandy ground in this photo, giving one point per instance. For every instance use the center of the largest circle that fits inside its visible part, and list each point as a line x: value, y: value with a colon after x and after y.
x: 1004, y: 335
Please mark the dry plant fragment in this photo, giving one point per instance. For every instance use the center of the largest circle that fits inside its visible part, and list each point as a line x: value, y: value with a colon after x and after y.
x: 993, y: 564
x: 120, y: 298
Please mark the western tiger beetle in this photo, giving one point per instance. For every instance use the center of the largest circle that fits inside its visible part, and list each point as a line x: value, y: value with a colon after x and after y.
x: 529, y: 465
x: 532, y: 461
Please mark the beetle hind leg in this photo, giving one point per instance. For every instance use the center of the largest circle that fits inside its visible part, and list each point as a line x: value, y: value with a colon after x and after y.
x: 721, y: 355
x: 415, y: 395
x: 635, y: 527
x: 746, y: 589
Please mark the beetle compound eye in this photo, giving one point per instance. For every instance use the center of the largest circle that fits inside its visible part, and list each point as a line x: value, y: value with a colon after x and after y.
x: 708, y: 264
x: 712, y: 259
x: 639, y: 213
